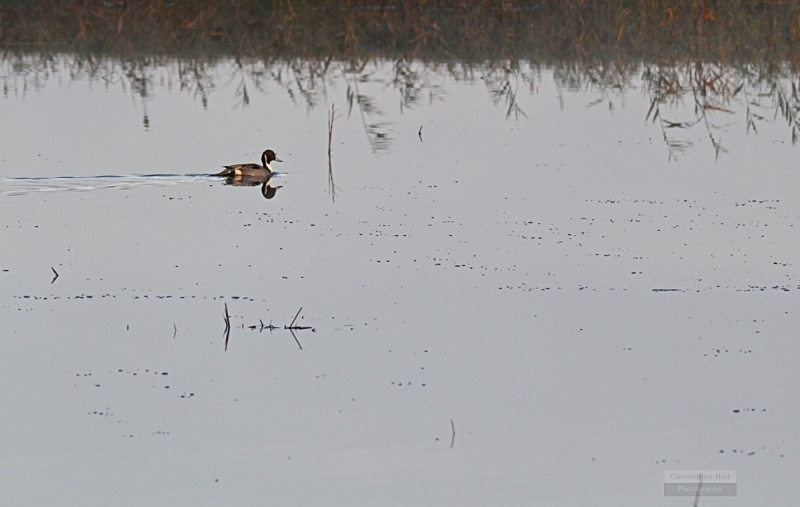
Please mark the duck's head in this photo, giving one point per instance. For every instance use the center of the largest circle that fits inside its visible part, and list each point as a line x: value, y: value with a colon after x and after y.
x: 267, y: 157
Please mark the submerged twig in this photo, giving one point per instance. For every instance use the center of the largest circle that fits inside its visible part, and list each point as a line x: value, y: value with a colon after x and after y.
x: 227, y: 326
x: 295, y: 317
x: 291, y: 330
x: 292, y: 327
x: 268, y: 326
x: 297, y: 328
x: 55, y: 277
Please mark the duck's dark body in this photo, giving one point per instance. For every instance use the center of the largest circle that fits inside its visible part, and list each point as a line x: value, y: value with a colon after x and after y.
x: 263, y: 171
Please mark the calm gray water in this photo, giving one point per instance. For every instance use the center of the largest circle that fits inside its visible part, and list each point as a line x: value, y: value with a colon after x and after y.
x: 585, y: 306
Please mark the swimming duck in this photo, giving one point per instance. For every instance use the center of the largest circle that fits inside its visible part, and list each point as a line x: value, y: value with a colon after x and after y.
x: 252, y: 170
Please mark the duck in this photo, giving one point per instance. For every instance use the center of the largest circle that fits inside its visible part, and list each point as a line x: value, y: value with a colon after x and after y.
x: 263, y: 171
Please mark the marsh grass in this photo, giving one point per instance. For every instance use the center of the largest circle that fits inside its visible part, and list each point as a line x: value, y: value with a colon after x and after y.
x: 544, y: 30
x: 685, y: 96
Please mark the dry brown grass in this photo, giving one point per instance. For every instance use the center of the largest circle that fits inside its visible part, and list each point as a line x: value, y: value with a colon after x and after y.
x: 545, y: 30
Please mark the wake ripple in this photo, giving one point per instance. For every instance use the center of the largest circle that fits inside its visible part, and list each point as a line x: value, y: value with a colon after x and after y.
x: 26, y: 186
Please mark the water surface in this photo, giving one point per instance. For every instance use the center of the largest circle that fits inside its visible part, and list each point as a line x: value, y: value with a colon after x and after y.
x: 587, y: 300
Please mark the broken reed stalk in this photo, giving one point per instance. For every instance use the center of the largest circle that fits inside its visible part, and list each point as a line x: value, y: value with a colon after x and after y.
x: 295, y: 338
x: 291, y: 326
x: 267, y: 326
x: 227, y: 326
x: 297, y: 328
x: 331, y: 186
x: 330, y: 131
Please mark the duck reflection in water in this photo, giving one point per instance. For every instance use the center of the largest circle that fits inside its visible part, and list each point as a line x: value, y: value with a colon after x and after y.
x: 267, y: 190
x: 251, y: 175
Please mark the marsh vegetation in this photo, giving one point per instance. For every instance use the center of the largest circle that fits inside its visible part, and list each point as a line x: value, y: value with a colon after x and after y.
x: 734, y: 62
